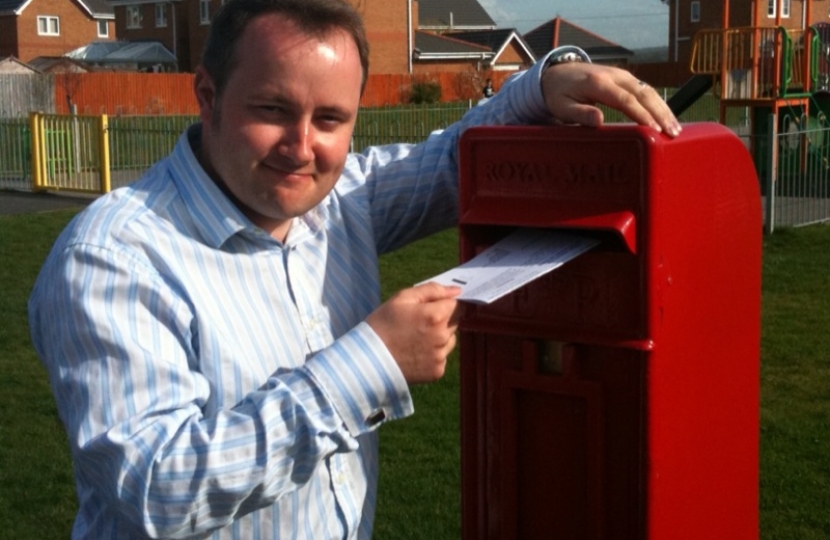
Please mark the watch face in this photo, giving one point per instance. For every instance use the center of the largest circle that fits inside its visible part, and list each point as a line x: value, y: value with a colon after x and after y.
x: 563, y: 58
x: 570, y: 57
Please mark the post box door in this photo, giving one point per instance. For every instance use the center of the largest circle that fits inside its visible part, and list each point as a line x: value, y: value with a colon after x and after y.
x: 561, y: 453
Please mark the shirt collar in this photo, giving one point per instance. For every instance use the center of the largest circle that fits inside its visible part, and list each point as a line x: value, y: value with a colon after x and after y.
x: 214, y: 214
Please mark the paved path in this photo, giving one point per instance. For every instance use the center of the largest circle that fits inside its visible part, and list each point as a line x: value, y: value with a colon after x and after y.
x: 18, y: 202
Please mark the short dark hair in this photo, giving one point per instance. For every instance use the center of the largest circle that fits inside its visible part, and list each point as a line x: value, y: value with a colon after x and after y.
x: 315, y: 17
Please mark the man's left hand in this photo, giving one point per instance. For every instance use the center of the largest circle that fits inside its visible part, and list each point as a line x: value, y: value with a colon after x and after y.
x: 572, y: 89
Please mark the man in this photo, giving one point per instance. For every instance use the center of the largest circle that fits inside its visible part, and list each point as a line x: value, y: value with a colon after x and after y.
x: 214, y: 333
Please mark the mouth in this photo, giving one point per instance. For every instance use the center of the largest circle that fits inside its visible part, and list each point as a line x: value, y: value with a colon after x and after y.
x: 286, y: 174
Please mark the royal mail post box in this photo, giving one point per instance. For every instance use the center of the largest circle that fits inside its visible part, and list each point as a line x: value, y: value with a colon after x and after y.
x: 618, y: 396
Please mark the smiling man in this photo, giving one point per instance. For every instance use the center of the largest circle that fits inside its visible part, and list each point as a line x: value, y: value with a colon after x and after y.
x: 214, y: 333
x: 277, y: 134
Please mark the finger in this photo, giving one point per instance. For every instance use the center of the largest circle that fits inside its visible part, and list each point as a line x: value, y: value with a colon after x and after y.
x: 449, y: 346
x: 440, y: 313
x: 643, y: 104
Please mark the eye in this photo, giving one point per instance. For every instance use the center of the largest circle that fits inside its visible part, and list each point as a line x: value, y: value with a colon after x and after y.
x: 274, y: 109
x: 329, y: 121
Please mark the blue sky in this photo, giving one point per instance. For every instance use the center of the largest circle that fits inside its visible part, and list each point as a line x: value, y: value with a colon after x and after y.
x: 631, y: 23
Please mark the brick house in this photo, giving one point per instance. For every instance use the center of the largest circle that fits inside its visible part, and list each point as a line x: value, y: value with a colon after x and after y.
x: 33, y: 28
x: 460, y: 36
x: 393, y: 28
x: 182, y: 27
x: 509, y: 50
x: 166, y: 22
x: 483, y: 50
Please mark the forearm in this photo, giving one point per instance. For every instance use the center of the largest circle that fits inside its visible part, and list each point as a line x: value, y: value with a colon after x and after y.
x: 412, y: 189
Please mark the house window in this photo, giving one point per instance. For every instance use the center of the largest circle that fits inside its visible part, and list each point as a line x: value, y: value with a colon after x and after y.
x: 48, y: 26
x: 103, y: 28
x: 133, y: 16
x: 204, y: 11
x: 695, y: 12
x: 772, y: 6
x: 161, y: 15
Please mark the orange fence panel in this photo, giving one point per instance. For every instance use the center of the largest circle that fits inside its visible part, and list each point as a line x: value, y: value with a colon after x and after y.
x: 127, y: 93
x: 119, y: 93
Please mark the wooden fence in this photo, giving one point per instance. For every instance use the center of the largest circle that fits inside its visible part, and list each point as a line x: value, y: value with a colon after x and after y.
x: 24, y: 92
x: 126, y: 93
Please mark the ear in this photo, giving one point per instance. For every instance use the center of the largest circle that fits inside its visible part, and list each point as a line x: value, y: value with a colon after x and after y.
x: 205, y: 92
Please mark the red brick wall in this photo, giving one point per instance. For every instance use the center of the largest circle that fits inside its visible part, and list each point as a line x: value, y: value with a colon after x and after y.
x: 8, y: 36
x: 386, y: 28
x: 711, y: 16
x: 197, y: 31
x: 385, y: 22
x: 513, y: 54
x: 427, y: 68
x: 176, y: 14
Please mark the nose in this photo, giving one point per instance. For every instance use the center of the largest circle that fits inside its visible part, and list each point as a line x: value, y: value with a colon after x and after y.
x: 296, y: 142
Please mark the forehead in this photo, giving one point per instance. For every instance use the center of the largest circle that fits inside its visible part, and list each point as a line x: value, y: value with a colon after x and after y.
x: 274, y: 52
x: 276, y: 35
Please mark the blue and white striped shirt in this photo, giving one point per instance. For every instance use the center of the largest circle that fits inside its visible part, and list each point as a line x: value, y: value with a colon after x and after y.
x: 216, y: 383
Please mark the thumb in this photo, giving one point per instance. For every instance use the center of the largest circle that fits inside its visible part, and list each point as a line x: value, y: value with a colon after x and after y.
x: 432, y: 292
x: 582, y: 114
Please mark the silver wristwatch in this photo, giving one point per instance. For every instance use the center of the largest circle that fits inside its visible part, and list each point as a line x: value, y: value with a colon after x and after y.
x: 566, y: 55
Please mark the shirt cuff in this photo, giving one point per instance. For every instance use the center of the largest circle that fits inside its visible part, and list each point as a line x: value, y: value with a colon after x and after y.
x: 362, y: 380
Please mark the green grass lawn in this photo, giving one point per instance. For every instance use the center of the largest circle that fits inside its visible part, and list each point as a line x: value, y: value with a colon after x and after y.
x: 419, y: 490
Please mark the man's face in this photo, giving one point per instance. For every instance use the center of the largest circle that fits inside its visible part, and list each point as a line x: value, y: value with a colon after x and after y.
x: 278, y: 136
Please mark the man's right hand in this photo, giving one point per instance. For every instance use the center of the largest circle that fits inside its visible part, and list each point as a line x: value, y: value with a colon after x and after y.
x: 418, y: 327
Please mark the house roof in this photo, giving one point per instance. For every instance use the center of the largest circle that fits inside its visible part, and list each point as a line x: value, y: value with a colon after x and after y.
x: 123, y: 52
x: 97, y: 9
x: 558, y: 32
x: 429, y: 46
x: 453, y: 14
x: 495, y: 40
x: 8, y: 7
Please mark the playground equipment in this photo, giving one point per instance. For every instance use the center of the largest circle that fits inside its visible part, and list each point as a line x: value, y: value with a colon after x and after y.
x: 779, y: 76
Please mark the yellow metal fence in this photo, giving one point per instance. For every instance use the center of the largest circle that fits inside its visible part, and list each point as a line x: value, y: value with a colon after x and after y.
x: 70, y: 153
x: 94, y: 154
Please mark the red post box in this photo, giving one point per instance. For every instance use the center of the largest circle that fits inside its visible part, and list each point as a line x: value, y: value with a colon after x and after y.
x: 618, y: 396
